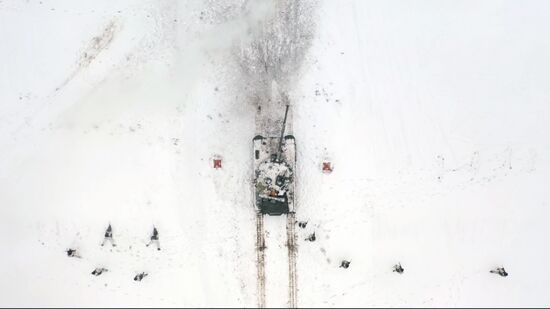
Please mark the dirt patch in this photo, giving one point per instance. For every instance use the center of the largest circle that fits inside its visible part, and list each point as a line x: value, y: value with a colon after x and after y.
x: 276, y: 47
x: 93, y: 49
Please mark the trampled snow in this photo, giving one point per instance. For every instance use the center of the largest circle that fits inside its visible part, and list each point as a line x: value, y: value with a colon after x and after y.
x: 433, y: 114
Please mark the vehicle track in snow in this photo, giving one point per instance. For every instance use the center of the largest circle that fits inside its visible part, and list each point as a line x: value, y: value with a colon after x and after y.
x: 292, y: 251
x: 261, y: 249
x: 260, y: 252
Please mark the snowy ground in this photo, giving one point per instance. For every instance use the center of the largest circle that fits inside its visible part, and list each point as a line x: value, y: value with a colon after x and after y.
x: 433, y: 113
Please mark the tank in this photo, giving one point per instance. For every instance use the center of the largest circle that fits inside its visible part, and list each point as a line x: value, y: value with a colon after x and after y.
x: 274, y: 168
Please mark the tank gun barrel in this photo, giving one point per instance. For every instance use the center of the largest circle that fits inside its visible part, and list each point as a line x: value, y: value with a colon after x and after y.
x: 282, y: 134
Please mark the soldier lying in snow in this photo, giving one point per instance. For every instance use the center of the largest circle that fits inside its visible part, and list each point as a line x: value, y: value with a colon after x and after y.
x: 108, y: 236
x: 98, y: 271
x: 499, y: 271
x: 72, y: 253
x: 154, y: 238
x: 398, y: 269
x: 345, y: 264
x: 140, y: 276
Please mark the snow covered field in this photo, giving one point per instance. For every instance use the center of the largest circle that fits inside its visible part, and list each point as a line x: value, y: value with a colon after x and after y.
x: 434, y: 114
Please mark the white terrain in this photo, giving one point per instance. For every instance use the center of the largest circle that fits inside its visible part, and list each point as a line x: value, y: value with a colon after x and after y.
x: 435, y: 116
